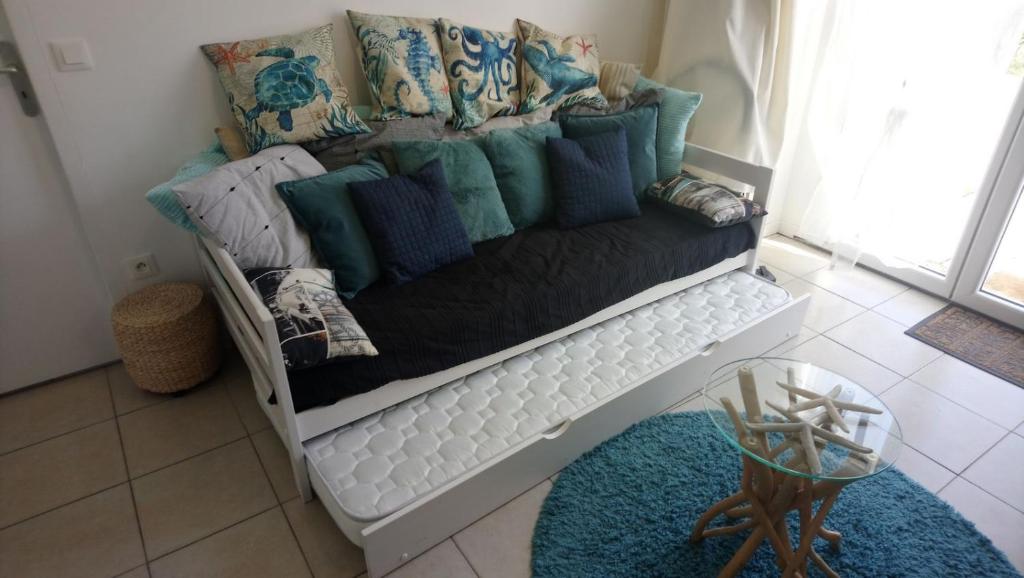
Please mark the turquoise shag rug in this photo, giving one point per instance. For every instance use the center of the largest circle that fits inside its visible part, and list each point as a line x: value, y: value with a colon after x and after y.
x: 627, y: 508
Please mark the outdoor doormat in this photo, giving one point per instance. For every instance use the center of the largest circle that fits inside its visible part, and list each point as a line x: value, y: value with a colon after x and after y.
x: 983, y: 342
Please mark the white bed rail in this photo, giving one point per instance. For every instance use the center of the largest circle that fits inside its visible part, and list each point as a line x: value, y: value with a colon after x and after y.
x: 757, y: 176
x: 251, y: 324
x: 252, y: 327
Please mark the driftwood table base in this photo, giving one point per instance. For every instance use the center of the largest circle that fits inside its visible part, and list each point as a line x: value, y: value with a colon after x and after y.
x: 761, y: 505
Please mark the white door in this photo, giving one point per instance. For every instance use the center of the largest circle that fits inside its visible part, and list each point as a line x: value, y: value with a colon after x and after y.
x: 54, y: 308
x: 992, y: 278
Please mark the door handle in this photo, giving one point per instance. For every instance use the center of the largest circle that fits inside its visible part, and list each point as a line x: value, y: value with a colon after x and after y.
x: 19, y: 80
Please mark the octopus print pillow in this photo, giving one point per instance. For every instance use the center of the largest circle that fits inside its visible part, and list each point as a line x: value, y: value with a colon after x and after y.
x: 558, y: 71
x: 481, y: 69
x: 313, y: 325
x: 285, y: 89
x: 401, y: 58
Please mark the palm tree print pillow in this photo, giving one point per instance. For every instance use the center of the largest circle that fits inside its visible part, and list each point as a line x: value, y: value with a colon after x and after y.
x: 285, y: 89
x: 481, y: 69
x: 558, y: 71
x: 401, y: 58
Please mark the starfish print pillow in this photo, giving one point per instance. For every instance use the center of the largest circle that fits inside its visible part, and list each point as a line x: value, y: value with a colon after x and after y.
x: 285, y: 89
x: 481, y: 69
x: 401, y: 58
x: 558, y: 71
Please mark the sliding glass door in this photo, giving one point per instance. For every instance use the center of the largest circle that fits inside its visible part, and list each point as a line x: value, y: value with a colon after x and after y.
x: 991, y: 279
x: 907, y: 152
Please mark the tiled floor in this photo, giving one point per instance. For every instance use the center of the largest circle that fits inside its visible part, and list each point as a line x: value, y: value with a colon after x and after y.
x: 117, y: 482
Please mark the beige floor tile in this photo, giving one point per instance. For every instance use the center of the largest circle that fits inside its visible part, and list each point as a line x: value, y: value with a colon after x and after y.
x: 59, y: 471
x: 1003, y: 525
x: 803, y: 335
x: 95, y: 536
x: 276, y: 462
x: 441, y: 561
x: 499, y: 544
x: 163, y: 434
x: 200, y: 496
x: 791, y: 256
x: 882, y: 341
x: 910, y: 307
x: 243, y: 395
x: 939, y: 428
x: 863, y: 287
x: 46, y: 411
x: 923, y: 470
x: 978, y: 391
x: 140, y: 572
x: 826, y: 310
x: 328, y: 551
x: 1000, y: 471
x: 826, y: 353
x: 128, y: 396
x: 260, y: 546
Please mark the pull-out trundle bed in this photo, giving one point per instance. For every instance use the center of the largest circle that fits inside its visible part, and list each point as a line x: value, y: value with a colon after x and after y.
x: 403, y: 466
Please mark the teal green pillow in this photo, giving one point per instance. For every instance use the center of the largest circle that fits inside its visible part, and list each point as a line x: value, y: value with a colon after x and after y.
x: 162, y: 196
x: 677, y: 107
x: 470, y: 180
x: 323, y: 206
x: 641, y: 126
x: 520, y: 166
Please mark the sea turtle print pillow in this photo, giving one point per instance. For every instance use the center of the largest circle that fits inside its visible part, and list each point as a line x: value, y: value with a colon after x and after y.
x: 558, y: 71
x: 481, y: 68
x: 401, y: 58
x: 285, y: 89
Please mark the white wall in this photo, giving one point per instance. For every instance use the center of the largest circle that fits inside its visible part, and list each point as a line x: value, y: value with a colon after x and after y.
x: 153, y: 99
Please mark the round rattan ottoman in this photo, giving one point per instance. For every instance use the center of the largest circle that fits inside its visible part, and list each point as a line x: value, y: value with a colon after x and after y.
x: 168, y: 336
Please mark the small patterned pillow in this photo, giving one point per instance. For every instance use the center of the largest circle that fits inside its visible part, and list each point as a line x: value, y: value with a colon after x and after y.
x: 401, y: 58
x: 313, y: 325
x: 558, y: 71
x: 706, y: 203
x: 285, y: 89
x: 481, y: 69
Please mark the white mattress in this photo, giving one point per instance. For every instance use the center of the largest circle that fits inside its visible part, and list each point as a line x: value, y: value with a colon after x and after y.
x: 382, y: 462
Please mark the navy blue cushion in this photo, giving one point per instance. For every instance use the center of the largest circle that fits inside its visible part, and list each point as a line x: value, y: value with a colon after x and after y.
x: 412, y: 223
x: 591, y: 179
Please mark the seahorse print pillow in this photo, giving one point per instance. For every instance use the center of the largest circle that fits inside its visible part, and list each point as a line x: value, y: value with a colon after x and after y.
x: 481, y: 69
x: 558, y: 71
x: 401, y: 58
x: 285, y: 89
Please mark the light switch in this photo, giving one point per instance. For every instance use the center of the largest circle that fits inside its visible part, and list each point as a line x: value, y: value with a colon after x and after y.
x: 72, y: 54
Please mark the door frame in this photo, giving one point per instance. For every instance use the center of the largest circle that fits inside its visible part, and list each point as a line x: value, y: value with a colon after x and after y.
x: 1000, y: 206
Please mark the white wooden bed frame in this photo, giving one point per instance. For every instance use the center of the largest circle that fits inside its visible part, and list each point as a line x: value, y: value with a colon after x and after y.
x: 252, y: 328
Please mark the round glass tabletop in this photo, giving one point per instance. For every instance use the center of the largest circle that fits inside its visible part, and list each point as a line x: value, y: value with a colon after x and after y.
x: 801, y: 419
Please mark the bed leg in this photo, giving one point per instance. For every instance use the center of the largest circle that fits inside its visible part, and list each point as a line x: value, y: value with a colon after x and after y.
x: 301, y: 475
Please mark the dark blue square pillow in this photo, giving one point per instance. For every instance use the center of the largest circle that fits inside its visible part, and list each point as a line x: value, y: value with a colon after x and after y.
x: 591, y: 179
x: 412, y: 223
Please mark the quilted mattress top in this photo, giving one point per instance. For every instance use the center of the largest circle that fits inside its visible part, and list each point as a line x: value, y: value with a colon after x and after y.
x: 382, y: 462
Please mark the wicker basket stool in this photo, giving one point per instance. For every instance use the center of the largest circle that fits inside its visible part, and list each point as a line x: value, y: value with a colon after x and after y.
x: 168, y: 336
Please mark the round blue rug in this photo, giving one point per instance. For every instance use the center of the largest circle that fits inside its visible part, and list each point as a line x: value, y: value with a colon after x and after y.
x: 627, y: 508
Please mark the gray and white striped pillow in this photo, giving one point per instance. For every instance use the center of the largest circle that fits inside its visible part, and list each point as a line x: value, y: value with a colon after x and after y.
x: 237, y: 206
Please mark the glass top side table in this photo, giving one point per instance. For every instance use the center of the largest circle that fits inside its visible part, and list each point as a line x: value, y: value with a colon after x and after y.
x: 804, y: 433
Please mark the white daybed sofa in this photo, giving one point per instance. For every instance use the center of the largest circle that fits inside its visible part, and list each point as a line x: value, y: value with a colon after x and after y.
x: 404, y: 466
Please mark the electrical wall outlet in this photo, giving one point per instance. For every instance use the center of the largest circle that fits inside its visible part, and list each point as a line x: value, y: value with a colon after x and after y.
x: 142, y: 266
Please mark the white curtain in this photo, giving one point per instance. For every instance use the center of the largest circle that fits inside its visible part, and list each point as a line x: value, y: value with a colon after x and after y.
x: 878, y: 116
x: 735, y: 53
